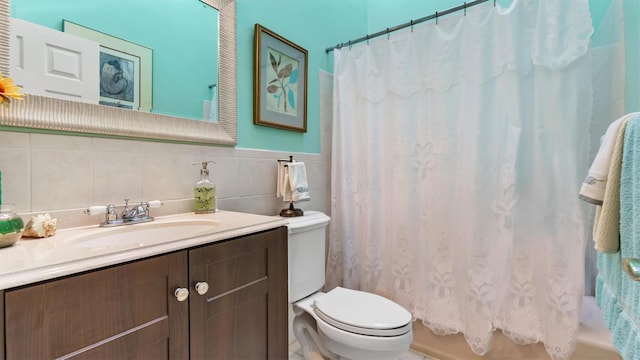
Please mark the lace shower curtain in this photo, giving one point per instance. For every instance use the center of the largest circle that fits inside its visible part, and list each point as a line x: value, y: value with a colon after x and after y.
x: 458, y: 151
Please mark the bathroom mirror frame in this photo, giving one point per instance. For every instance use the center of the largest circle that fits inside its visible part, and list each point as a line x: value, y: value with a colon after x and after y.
x: 40, y: 112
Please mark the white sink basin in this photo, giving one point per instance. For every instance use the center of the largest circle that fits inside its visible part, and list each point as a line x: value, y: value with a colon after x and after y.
x: 145, y: 234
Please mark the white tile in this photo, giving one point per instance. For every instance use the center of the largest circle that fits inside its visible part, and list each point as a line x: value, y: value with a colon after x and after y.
x: 224, y: 173
x: 188, y: 174
x: 16, y: 175
x: 157, y: 148
x: 318, y: 175
x: 261, y: 204
x: 206, y: 150
x: 161, y: 178
x: 10, y: 139
x: 116, y: 145
x: 257, y: 177
x: 116, y: 176
x: 61, y: 142
x: 60, y: 179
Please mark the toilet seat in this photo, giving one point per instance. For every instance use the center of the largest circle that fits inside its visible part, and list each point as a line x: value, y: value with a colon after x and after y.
x: 362, y: 313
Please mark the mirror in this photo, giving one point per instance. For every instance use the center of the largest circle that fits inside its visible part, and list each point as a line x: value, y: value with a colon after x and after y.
x: 42, y: 112
x: 104, y: 51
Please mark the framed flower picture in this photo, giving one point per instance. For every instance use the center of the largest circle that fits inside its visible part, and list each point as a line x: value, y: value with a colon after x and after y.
x: 279, y: 82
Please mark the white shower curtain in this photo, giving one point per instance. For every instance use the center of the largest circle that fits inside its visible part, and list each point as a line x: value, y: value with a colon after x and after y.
x: 458, y: 151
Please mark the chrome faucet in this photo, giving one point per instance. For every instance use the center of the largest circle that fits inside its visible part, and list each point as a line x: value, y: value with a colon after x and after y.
x: 128, y: 216
x: 132, y: 214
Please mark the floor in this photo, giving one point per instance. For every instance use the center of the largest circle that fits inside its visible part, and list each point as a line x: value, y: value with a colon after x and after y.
x: 295, y: 354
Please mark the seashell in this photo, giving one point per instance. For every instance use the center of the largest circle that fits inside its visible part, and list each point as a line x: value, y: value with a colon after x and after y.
x: 40, y: 226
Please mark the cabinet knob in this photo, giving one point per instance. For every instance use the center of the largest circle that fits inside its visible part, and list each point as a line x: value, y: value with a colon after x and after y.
x: 181, y: 294
x: 202, y: 287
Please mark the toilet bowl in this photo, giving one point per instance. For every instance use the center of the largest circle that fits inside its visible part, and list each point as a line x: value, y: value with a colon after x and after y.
x: 341, y: 323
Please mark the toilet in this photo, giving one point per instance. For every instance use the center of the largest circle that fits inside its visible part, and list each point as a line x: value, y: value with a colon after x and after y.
x: 341, y: 323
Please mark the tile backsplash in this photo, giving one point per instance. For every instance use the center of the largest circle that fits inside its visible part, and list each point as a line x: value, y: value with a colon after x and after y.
x: 63, y: 174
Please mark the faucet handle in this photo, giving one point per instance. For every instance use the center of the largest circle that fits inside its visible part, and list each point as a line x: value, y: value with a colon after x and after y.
x: 144, y: 206
x: 111, y: 214
x: 154, y: 204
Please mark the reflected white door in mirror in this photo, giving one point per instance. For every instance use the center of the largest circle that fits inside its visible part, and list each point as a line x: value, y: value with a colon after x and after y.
x: 52, y: 63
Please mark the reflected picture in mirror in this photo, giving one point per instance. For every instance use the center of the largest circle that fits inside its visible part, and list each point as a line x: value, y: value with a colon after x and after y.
x: 118, y: 80
x: 125, y: 69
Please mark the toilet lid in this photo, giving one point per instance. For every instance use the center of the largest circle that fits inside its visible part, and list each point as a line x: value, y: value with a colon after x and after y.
x: 363, y: 313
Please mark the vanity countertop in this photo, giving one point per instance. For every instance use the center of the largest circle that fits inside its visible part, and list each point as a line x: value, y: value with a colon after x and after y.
x: 33, y: 260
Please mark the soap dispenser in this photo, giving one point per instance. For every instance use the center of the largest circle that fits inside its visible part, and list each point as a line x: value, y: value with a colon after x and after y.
x: 205, y: 191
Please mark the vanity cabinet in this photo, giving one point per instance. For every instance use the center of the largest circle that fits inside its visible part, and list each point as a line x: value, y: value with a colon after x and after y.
x: 132, y: 311
x: 243, y: 315
x: 122, y: 312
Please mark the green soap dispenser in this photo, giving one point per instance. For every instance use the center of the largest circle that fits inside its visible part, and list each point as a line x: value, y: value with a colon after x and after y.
x: 205, y: 192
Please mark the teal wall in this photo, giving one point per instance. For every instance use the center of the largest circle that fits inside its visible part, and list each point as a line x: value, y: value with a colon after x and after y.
x: 182, y: 68
x: 632, y: 55
x: 314, y: 25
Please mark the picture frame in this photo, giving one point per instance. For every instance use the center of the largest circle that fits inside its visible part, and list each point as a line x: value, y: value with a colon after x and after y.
x: 279, y: 82
x: 126, y: 69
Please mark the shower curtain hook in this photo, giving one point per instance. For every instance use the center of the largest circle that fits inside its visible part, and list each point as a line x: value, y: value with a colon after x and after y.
x: 494, y: 3
x: 411, y: 23
x: 349, y: 45
x: 436, y: 18
x: 367, y: 39
x: 465, y: 8
x: 388, y: 36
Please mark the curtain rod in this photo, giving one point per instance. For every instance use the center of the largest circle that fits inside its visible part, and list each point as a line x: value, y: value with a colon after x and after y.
x: 436, y: 15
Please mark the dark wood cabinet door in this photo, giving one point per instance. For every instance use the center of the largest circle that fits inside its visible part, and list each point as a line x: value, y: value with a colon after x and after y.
x: 123, y: 312
x: 244, y: 313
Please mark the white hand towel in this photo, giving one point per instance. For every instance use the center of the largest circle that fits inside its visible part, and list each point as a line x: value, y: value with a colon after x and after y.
x: 283, y: 187
x: 279, y: 181
x: 592, y: 189
x: 298, y: 181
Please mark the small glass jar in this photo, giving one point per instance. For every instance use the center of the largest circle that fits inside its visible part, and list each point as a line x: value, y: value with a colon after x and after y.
x: 11, y: 225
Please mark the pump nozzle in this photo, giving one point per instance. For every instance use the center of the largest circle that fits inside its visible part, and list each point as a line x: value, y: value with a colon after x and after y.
x: 204, y: 170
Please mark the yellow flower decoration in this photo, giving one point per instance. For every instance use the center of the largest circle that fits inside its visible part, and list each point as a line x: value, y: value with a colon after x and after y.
x: 8, y: 90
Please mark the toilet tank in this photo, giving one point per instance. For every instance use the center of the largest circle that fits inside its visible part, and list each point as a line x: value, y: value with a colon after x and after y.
x: 306, y: 254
